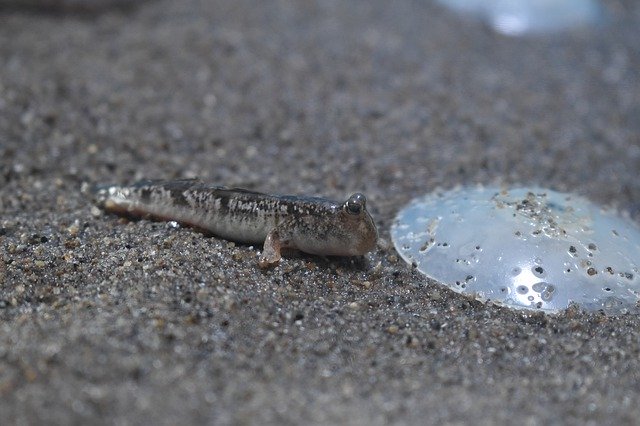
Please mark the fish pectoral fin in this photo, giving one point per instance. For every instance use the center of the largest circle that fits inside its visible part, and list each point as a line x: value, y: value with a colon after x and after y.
x: 271, y: 250
x: 280, y: 237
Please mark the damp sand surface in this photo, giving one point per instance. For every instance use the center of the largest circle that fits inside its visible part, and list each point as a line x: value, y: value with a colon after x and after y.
x: 107, y: 320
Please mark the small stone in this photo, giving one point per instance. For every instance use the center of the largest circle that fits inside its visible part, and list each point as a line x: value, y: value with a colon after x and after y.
x: 412, y: 342
x: 74, y: 229
x: 237, y: 256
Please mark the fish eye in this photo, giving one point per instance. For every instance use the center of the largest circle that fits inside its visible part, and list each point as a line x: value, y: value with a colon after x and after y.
x: 355, y: 204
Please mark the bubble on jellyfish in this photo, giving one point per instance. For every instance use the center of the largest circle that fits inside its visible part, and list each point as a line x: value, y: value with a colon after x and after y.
x: 523, y: 248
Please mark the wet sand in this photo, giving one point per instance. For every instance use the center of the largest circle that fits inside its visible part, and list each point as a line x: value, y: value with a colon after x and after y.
x: 107, y: 320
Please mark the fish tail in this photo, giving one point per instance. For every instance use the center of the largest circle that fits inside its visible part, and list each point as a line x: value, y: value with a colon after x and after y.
x: 98, y: 193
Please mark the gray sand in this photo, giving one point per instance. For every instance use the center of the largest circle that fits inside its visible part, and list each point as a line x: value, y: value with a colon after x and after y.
x: 105, y: 320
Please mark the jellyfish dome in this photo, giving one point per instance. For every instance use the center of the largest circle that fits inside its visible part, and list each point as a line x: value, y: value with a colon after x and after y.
x: 523, y: 248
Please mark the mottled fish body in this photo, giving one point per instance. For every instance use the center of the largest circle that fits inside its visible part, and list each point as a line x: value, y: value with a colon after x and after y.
x: 310, y: 224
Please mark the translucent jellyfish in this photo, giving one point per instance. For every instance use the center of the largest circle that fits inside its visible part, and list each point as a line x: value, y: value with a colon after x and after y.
x: 527, y: 248
x: 518, y: 17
